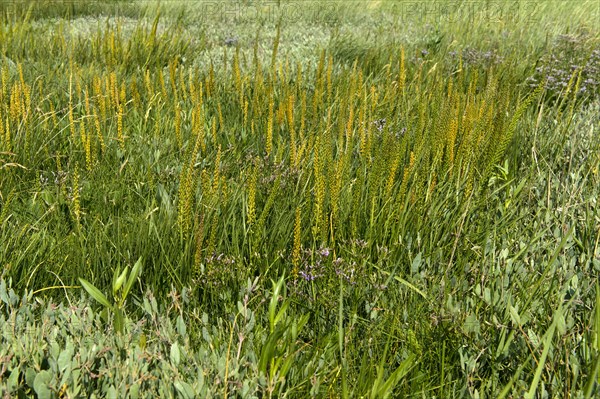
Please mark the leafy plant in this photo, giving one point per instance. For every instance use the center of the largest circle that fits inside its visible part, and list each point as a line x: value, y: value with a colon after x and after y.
x: 279, y: 349
x: 121, y: 286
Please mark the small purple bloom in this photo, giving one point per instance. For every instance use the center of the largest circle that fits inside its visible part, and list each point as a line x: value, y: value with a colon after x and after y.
x: 307, y: 276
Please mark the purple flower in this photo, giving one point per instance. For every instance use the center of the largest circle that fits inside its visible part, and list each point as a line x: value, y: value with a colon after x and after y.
x: 324, y: 252
x: 380, y: 124
x: 307, y: 276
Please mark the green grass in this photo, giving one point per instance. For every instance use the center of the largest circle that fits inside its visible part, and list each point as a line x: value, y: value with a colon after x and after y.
x: 379, y: 199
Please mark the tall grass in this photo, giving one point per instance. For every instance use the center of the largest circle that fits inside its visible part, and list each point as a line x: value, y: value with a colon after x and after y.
x: 428, y: 195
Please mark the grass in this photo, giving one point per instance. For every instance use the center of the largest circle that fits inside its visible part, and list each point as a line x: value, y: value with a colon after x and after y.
x: 403, y: 195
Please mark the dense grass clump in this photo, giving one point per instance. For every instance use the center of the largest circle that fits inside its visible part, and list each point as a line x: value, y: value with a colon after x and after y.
x: 324, y: 201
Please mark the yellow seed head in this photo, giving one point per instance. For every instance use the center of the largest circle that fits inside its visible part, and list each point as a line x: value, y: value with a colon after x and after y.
x: 173, y: 76
x: 280, y: 115
x: 214, y: 131
x: 100, y: 98
x: 198, y: 130
x: 99, y: 134
x: 392, y: 174
x: 71, y: 123
x: 186, y: 198
x: 269, y: 139
x: 362, y: 123
x: 217, y: 172
x: 137, y: 101
x: 452, y: 132
x: 198, y: 252
x: 87, y: 103
x: 349, y: 128
x: 5, y: 75
x: 290, y: 120
x: 114, y: 89
x: 402, y: 74
x: 302, y: 117
x: 15, y: 102
x: 148, y: 83
x: 163, y: 88
x: 178, y: 125
x: 221, y: 123
x: 123, y: 95
x: 245, y: 112
x: 316, y: 100
x: 20, y: 70
x: 2, y: 137
x: 252, y: 196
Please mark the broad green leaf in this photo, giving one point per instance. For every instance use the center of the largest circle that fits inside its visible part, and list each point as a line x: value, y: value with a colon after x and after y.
x: 185, y: 389
x: 175, y: 354
x: 416, y: 263
x: 40, y: 385
x: 273, y: 302
x: 64, y: 359
x: 287, y: 364
x: 30, y: 376
x: 181, y: 328
x: 388, y: 387
x: 134, y: 391
x: 561, y: 325
x: 142, y: 341
x: 104, y: 315
x: 471, y: 325
x: 120, y: 280
x: 114, y: 278
x: 132, y: 277
x: 533, y: 338
x: 13, y: 380
x: 281, y: 312
x: 514, y: 315
x: 268, y: 349
x: 95, y: 293
x: 112, y: 392
x: 3, y: 292
x: 119, y: 320
x: 200, y: 380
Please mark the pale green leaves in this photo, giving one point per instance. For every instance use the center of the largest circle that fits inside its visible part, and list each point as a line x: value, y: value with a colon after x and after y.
x: 95, y: 293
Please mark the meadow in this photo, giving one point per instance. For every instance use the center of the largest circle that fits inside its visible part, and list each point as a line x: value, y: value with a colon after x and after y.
x: 293, y: 199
